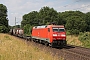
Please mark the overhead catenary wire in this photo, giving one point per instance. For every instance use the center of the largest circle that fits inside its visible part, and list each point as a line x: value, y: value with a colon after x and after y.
x: 78, y: 7
x: 82, y: 7
x: 71, y: 3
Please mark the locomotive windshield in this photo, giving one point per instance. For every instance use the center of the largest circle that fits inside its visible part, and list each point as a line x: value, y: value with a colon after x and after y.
x: 58, y: 30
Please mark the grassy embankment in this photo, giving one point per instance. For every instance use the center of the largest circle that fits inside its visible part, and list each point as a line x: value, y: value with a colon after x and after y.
x: 12, y: 48
x: 83, y: 39
x: 73, y: 40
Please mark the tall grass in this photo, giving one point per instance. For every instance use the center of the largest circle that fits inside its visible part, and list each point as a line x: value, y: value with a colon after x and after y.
x: 12, y: 48
x: 85, y: 39
x: 73, y: 40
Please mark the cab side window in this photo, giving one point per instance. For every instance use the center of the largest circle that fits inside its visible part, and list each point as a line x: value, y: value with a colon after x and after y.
x: 48, y: 29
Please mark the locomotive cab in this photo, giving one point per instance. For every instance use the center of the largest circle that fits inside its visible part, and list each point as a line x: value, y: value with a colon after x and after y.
x: 58, y: 36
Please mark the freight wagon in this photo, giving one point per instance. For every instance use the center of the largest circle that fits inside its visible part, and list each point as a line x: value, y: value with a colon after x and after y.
x: 17, y: 32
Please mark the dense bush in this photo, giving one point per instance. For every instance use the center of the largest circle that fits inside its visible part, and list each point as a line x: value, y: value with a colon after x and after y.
x: 68, y: 32
x: 3, y: 29
x: 84, y: 36
x: 27, y: 29
x: 85, y: 39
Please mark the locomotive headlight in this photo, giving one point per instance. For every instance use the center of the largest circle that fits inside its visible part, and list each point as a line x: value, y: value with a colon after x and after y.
x: 63, y: 35
x: 54, y: 34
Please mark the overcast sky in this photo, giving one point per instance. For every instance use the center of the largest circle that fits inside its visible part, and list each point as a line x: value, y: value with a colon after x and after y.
x: 17, y: 8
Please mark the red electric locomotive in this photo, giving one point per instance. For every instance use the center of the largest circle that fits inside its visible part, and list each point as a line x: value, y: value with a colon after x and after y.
x: 53, y: 35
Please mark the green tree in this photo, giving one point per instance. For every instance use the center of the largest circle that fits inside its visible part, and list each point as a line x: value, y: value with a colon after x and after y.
x: 3, y: 17
x: 3, y: 29
x: 75, y: 24
x: 30, y: 18
x: 47, y: 15
x: 74, y: 21
x: 61, y: 20
x: 87, y: 17
x: 27, y: 29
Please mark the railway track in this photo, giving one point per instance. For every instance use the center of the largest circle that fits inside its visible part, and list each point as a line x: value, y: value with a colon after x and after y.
x: 68, y: 53
x: 78, y: 53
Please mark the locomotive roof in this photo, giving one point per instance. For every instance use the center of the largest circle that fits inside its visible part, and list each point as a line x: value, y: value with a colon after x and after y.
x: 45, y: 26
x: 58, y: 26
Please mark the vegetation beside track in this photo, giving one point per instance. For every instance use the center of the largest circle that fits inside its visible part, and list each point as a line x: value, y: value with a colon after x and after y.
x: 73, y: 40
x: 12, y: 48
x: 83, y: 39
